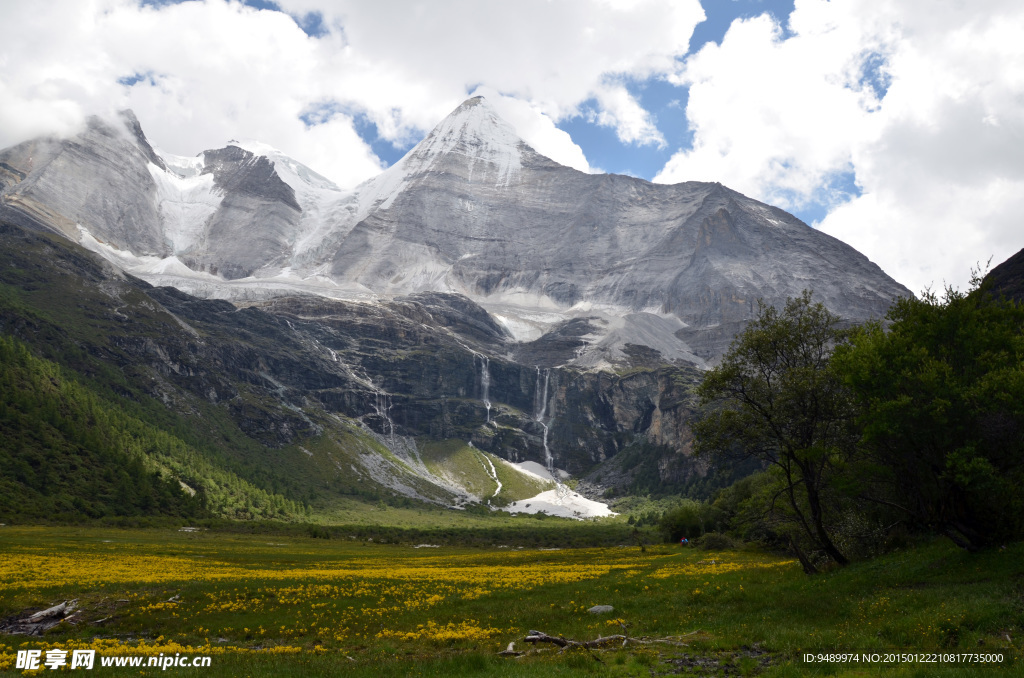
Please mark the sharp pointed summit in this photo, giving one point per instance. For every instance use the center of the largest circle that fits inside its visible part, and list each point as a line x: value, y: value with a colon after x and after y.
x: 473, y: 144
x: 473, y: 135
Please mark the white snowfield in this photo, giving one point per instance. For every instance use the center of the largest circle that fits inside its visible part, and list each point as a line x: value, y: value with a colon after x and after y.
x: 561, y: 502
x: 186, y: 203
x: 533, y: 468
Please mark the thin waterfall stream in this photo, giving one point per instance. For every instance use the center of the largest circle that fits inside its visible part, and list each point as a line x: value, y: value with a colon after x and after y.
x: 485, y: 384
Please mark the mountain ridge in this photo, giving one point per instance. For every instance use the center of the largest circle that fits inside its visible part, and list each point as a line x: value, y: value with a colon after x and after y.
x: 471, y: 209
x: 1007, y: 279
x: 475, y: 298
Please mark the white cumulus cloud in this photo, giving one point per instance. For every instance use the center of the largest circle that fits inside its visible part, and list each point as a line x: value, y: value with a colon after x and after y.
x: 922, y: 102
x: 621, y: 110
x: 200, y: 72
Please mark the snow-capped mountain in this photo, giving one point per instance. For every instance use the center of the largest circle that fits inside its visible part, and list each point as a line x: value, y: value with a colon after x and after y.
x: 472, y: 293
x: 471, y: 209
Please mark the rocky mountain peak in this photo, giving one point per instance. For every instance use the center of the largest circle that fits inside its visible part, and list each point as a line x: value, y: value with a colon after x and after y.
x: 235, y: 169
x: 472, y: 209
x: 297, y: 175
x: 132, y: 124
x: 473, y: 133
x: 473, y: 144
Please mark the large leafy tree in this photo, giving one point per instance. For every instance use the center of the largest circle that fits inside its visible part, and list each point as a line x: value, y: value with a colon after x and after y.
x: 774, y: 397
x: 940, y: 394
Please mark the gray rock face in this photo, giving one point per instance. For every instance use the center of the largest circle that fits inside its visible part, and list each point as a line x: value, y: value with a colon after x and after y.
x: 239, y: 172
x: 99, y: 179
x: 504, y: 223
x: 600, y: 261
x: 1007, y: 279
x: 254, y: 222
x: 110, y: 182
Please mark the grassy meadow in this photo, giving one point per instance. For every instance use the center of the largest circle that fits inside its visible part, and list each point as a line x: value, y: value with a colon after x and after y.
x: 267, y: 605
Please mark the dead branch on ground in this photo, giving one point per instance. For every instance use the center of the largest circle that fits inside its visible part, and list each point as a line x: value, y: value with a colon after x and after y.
x: 621, y: 639
x: 44, y: 620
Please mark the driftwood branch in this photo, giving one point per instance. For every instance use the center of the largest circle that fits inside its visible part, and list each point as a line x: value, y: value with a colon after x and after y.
x: 541, y: 637
x: 567, y: 644
x: 56, y: 612
x: 536, y: 637
x: 44, y: 620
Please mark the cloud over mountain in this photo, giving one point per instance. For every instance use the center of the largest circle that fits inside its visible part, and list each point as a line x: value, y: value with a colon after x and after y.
x: 901, y: 119
x: 894, y: 126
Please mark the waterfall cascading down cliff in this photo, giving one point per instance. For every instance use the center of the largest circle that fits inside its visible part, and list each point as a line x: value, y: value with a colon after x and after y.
x: 382, y: 404
x: 485, y: 384
x: 542, y: 410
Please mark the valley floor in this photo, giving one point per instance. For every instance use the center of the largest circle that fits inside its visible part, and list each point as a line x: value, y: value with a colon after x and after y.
x: 266, y: 605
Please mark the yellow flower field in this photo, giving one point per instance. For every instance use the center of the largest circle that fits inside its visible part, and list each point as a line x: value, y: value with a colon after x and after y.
x: 285, y: 596
x: 260, y: 605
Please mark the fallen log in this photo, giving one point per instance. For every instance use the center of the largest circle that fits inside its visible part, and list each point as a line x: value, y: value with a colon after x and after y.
x: 541, y: 637
x: 44, y: 620
x: 59, y: 611
x: 535, y: 637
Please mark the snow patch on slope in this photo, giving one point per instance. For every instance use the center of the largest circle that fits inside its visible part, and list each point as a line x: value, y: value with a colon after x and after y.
x: 292, y: 172
x: 146, y: 267
x: 655, y: 330
x: 476, y: 131
x: 560, y: 503
x: 185, y: 203
x: 182, y: 165
x: 535, y: 469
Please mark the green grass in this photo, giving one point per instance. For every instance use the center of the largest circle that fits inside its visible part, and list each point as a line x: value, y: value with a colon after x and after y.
x: 515, y: 485
x: 457, y: 461
x: 380, y: 610
x: 467, y: 466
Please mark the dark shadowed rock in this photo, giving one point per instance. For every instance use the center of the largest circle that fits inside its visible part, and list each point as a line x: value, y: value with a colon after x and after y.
x: 1007, y: 279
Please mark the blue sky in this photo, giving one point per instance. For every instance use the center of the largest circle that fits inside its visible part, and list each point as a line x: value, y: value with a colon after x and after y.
x: 895, y: 126
x: 664, y: 100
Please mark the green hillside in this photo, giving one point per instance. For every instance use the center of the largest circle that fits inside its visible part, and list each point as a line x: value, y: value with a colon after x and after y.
x: 67, y: 453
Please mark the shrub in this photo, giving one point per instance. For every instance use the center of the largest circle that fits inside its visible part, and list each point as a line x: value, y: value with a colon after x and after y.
x: 716, y: 541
